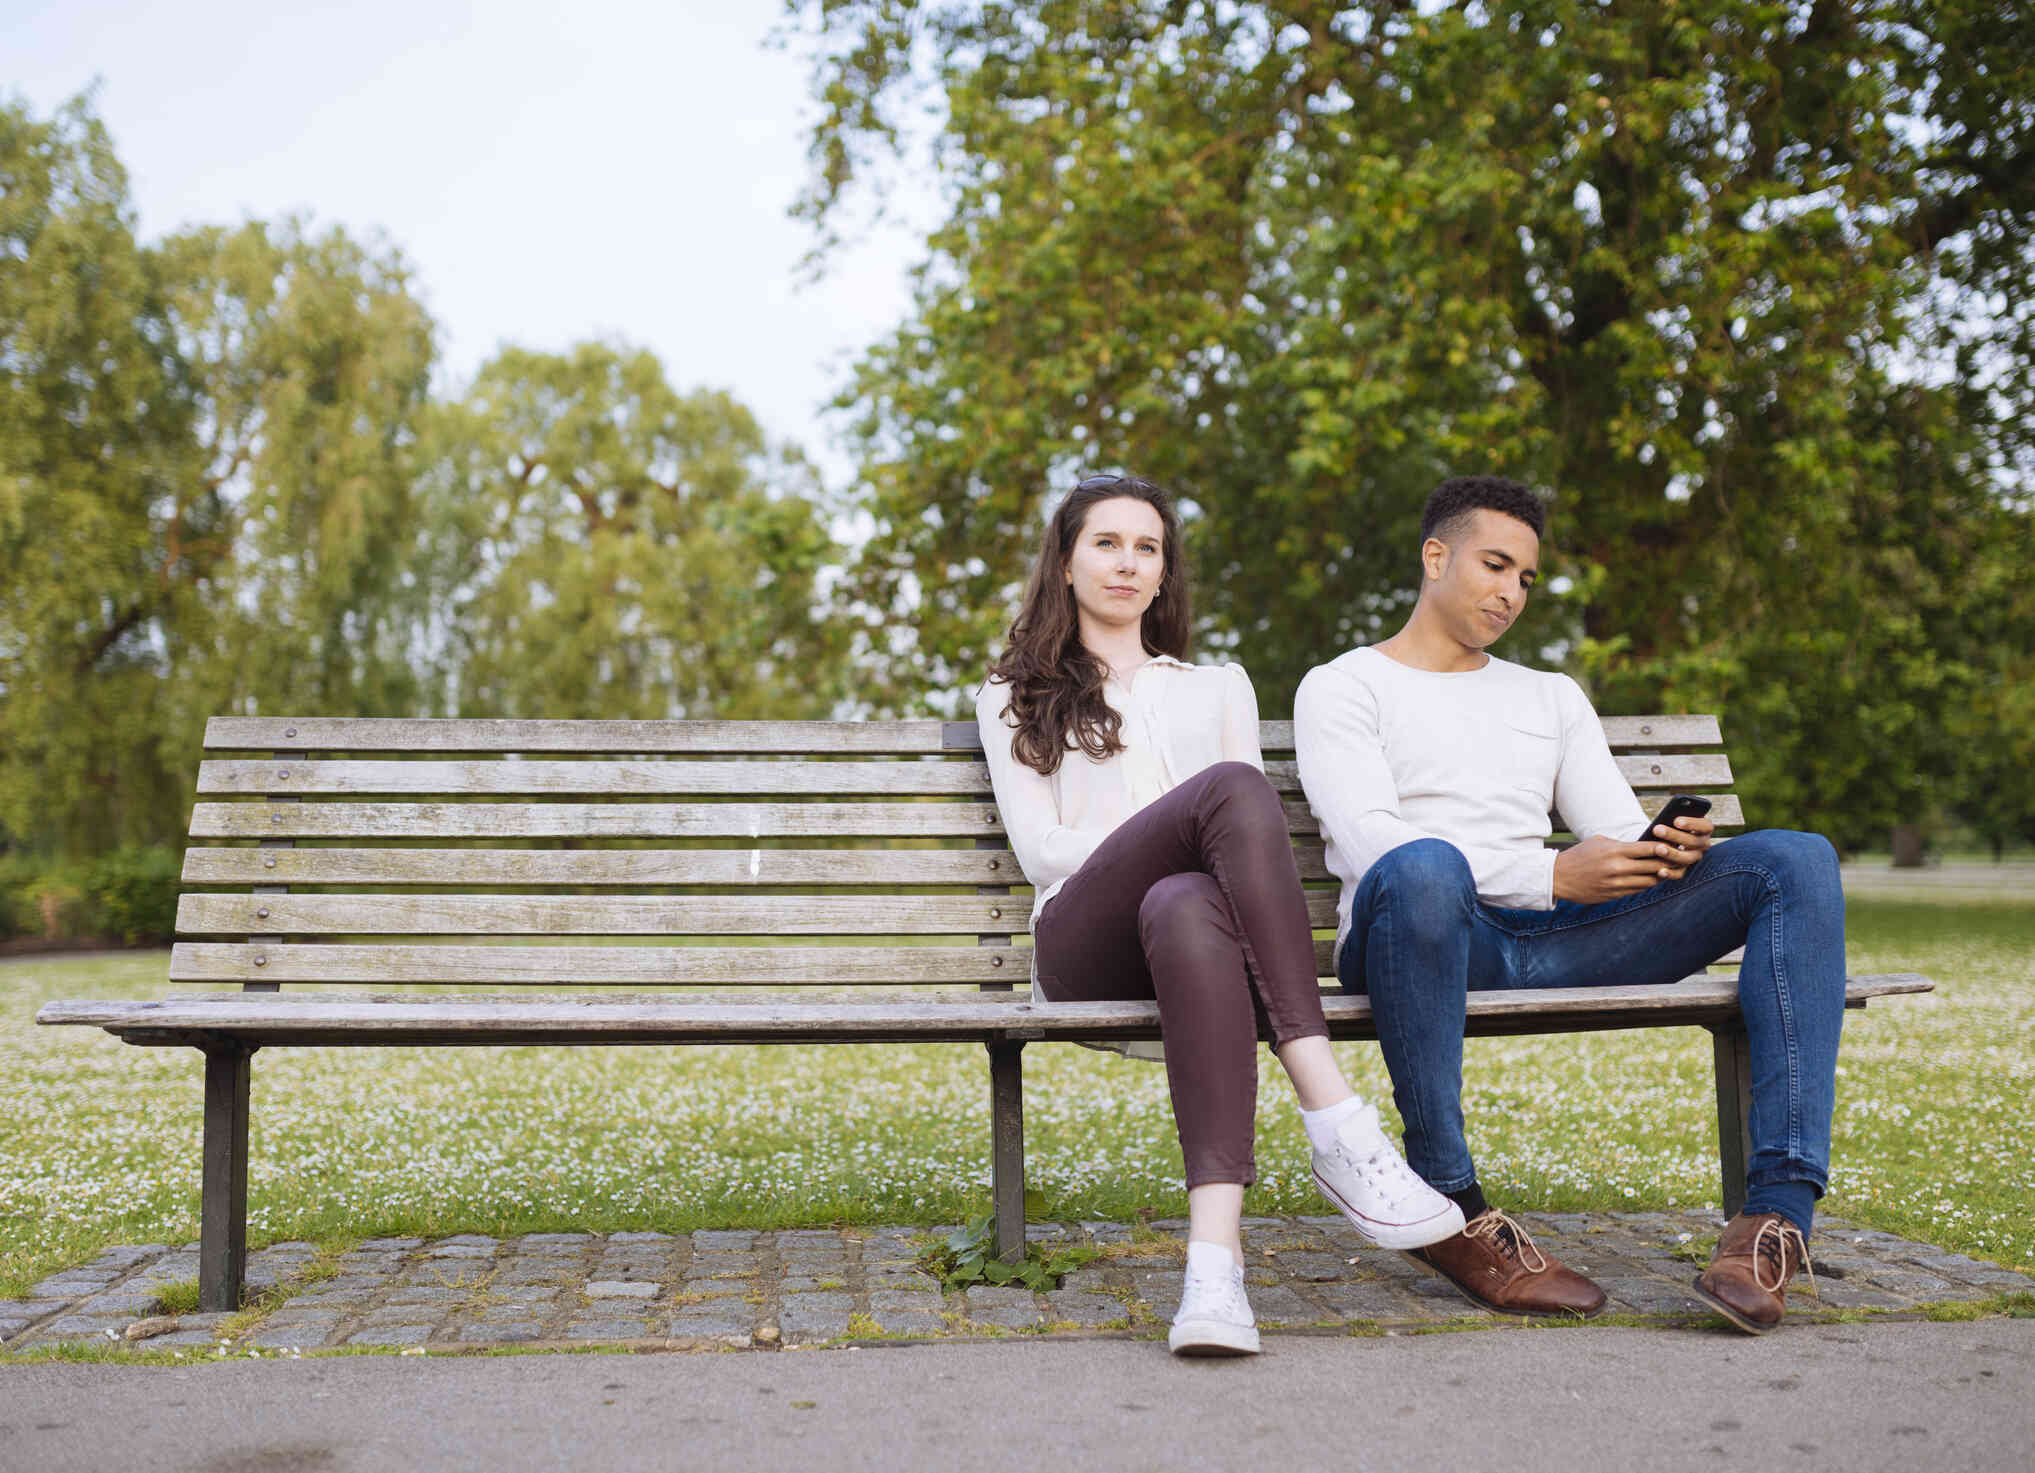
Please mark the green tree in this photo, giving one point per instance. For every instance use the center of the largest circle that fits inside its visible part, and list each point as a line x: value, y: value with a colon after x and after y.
x: 307, y: 363
x: 1301, y: 260
x: 611, y: 547
x: 204, y: 486
x: 224, y: 487
x: 91, y: 421
x: 1855, y: 683
x: 1993, y: 726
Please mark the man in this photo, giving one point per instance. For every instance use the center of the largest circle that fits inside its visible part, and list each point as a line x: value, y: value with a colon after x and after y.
x: 1432, y: 766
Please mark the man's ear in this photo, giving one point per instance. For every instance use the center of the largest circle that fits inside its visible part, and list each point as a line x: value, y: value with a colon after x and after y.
x: 1434, y: 556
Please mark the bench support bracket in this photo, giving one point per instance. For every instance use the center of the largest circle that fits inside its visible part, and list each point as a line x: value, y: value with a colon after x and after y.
x: 1734, y: 1110
x: 222, y: 1234
x: 1007, y: 1146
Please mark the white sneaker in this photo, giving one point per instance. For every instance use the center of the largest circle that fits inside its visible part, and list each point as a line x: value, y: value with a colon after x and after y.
x: 1364, y: 1175
x: 1214, y: 1317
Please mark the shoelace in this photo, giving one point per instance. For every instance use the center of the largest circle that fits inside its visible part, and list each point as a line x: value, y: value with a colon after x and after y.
x: 1509, y: 1237
x: 1227, y: 1290
x: 1770, y: 1245
x: 1385, y: 1168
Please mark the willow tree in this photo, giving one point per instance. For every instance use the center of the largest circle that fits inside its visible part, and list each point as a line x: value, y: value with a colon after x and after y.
x: 204, y: 485
x: 90, y: 424
x: 612, y: 547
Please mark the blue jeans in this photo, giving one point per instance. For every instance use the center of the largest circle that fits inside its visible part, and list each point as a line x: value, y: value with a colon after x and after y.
x: 1420, y: 939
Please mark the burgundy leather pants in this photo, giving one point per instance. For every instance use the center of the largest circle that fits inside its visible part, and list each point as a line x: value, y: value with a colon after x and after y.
x: 1195, y: 900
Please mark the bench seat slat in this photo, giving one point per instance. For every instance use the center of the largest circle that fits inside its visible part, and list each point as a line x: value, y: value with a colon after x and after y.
x: 796, y: 738
x: 600, y: 915
x: 270, y: 1018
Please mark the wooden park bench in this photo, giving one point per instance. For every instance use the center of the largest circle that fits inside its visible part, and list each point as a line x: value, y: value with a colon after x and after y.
x: 865, y: 858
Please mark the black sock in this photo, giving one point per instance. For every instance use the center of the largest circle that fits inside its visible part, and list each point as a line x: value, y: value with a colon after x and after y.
x: 1471, y: 1200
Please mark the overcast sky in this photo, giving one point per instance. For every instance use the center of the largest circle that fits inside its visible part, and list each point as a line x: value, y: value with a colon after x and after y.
x: 552, y: 172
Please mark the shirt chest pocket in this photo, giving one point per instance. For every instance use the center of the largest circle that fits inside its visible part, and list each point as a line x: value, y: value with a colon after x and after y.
x: 1531, y: 755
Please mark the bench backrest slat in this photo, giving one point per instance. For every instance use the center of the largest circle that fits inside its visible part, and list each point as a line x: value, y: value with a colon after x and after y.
x: 477, y: 820
x: 470, y: 820
x: 664, y: 777
x: 448, y: 734
x: 619, y: 915
x: 614, y: 966
x: 749, y: 868
x: 401, y: 964
x: 444, y: 735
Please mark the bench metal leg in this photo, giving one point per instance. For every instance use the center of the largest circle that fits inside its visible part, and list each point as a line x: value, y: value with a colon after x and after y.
x: 1007, y: 1146
x: 1734, y: 1110
x: 222, y: 1234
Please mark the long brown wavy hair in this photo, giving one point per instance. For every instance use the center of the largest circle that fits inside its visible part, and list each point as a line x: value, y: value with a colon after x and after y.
x: 1055, y: 682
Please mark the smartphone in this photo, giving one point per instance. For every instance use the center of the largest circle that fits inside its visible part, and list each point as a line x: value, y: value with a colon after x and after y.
x: 1682, y: 805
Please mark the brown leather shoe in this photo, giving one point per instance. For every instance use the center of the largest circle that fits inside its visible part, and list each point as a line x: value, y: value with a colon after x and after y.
x: 1747, y: 1281
x: 1494, y: 1263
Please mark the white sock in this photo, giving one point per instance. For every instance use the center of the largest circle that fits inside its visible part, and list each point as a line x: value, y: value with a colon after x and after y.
x: 1321, y: 1124
x: 1209, y: 1260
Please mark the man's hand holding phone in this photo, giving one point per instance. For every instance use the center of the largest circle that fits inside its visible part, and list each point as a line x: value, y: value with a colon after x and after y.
x: 1679, y: 835
x: 1600, y: 868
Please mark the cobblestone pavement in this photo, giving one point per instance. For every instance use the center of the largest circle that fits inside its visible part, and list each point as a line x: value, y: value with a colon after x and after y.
x: 740, y: 1289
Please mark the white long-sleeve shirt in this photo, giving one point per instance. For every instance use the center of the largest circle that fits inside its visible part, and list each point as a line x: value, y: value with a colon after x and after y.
x: 1177, y: 719
x: 1390, y: 754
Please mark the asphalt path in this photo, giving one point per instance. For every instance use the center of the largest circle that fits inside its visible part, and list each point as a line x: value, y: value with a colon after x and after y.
x: 1852, y: 1397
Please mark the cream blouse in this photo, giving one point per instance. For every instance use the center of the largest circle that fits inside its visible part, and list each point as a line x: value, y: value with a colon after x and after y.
x: 1177, y: 719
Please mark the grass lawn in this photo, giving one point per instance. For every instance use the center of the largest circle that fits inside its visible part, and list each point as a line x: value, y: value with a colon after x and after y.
x: 99, y: 1141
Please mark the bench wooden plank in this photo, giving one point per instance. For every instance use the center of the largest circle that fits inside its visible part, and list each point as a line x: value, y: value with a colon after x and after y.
x: 596, y: 820
x: 439, y: 734
x: 648, y: 778
x: 629, y: 966
x: 1650, y: 732
x: 596, y: 915
x: 633, y: 867
x: 658, y: 778
x: 1675, y: 770
x: 272, y: 1018
x: 445, y: 734
x: 1725, y: 811
x: 637, y: 820
x: 451, y: 964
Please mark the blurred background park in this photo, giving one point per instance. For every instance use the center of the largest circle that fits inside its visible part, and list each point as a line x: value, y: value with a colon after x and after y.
x: 710, y: 361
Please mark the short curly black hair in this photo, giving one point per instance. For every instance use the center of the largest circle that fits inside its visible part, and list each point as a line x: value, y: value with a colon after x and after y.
x: 1454, y: 499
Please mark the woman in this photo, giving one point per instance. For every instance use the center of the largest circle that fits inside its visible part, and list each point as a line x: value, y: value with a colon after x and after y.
x: 1133, y: 791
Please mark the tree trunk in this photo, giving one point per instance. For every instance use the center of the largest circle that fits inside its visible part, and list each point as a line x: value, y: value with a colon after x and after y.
x: 1908, y: 846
